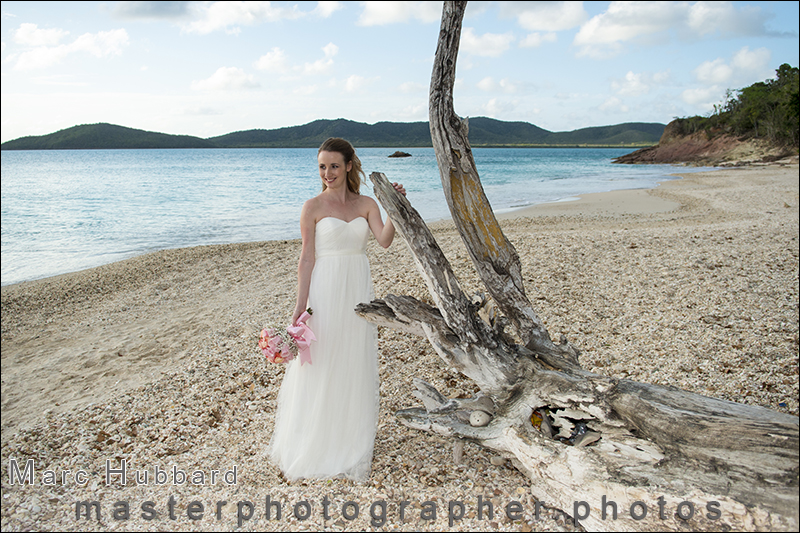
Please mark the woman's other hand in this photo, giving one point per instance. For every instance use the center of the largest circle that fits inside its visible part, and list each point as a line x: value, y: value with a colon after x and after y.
x: 399, y: 188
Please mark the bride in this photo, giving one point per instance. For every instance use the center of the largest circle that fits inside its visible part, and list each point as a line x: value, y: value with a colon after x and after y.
x: 327, y: 411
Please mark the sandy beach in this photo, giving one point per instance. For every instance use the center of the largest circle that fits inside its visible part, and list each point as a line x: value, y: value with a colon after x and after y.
x: 153, y: 360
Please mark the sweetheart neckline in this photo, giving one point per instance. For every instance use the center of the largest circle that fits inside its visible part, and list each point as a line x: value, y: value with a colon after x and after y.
x: 341, y: 220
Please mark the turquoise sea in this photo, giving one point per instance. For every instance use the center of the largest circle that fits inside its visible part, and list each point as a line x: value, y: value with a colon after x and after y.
x: 64, y: 211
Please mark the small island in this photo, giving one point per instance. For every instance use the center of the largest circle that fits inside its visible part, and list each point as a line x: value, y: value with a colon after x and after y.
x: 400, y: 154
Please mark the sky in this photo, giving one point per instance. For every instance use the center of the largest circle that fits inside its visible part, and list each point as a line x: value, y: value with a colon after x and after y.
x: 211, y: 68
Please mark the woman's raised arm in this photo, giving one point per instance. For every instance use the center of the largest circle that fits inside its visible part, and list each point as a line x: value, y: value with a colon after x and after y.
x: 384, y: 233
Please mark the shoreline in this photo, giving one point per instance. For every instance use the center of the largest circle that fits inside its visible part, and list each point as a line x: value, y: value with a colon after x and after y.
x: 619, y: 202
x: 503, y: 213
x: 153, y: 359
x: 631, y: 201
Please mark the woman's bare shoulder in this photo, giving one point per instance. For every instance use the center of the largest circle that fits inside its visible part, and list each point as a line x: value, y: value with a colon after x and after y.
x: 366, y: 203
x: 311, y: 210
x: 313, y: 204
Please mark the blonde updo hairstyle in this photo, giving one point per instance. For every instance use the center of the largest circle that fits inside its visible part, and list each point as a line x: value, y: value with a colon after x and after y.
x: 336, y: 144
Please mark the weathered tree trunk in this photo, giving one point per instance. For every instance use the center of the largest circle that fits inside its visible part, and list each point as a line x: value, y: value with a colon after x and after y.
x: 583, y: 439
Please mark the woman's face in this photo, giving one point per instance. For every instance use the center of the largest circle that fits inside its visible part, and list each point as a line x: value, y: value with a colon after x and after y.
x: 332, y: 169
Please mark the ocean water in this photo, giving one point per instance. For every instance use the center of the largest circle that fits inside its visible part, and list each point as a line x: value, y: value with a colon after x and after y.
x: 64, y: 211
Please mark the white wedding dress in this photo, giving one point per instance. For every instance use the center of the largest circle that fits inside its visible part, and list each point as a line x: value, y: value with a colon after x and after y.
x: 328, y: 411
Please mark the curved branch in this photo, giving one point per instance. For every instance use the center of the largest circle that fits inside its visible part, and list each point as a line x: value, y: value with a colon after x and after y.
x: 494, y: 256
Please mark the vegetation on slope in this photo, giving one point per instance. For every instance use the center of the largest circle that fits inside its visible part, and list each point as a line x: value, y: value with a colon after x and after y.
x: 768, y: 110
x: 104, y: 136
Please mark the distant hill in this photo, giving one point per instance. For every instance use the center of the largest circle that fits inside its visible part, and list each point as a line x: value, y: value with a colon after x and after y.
x: 640, y: 133
x: 483, y: 132
x: 104, y: 136
x: 311, y: 135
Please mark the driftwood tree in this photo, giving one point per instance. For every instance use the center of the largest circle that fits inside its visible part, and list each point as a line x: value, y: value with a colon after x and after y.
x: 669, y: 459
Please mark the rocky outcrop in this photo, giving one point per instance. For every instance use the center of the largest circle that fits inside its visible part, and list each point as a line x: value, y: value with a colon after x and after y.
x: 400, y: 154
x: 704, y: 148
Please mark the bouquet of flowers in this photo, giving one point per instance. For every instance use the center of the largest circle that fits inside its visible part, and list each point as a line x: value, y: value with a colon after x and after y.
x: 283, y: 346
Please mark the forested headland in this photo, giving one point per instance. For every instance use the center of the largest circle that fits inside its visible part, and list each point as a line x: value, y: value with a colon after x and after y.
x: 767, y: 110
x: 759, y: 123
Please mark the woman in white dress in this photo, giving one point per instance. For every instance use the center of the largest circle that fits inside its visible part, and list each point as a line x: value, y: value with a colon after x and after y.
x: 327, y: 411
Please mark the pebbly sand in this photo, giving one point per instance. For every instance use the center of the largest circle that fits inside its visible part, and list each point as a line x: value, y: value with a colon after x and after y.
x: 153, y: 360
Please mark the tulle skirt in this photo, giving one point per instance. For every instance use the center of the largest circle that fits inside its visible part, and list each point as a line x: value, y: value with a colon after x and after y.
x: 327, y: 411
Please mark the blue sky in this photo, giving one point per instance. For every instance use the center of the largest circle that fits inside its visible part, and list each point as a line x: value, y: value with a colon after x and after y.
x: 210, y: 68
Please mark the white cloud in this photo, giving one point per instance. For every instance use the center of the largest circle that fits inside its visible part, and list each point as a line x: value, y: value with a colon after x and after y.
x: 415, y: 112
x: 662, y: 77
x: 631, y: 85
x: 382, y: 13
x: 710, y: 17
x: 703, y: 97
x: 488, y: 84
x: 613, y: 105
x: 745, y: 67
x: 354, y: 83
x: 330, y: 50
x: 228, y: 16
x: 646, y: 22
x: 196, y: 111
x: 41, y: 57
x: 752, y: 65
x: 326, y: 9
x: 324, y: 64
x: 535, y: 40
x: 486, y: 45
x: 412, y: 87
x: 495, y: 108
x: 623, y: 21
x: 101, y: 44
x: 30, y: 35
x: 274, y: 60
x: 545, y: 16
x: 715, y: 77
x: 226, y: 79
x: 713, y: 72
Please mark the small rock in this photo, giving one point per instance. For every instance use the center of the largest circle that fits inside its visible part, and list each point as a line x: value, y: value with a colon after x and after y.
x: 479, y: 418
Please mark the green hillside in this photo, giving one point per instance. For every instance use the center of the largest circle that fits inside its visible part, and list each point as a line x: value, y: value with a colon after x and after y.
x: 482, y: 132
x: 104, y: 136
x: 768, y: 110
x: 632, y: 133
x: 311, y: 135
x: 488, y: 131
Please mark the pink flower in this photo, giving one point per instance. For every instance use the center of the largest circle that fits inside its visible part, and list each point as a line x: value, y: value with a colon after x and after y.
x: 283, y: 346
x: 274, y: 347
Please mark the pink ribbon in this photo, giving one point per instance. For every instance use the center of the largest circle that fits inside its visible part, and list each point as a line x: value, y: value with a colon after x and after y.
x: 303, y: 336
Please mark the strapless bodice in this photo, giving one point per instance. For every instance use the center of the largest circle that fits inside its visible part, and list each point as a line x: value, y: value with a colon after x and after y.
x: 333, y: 236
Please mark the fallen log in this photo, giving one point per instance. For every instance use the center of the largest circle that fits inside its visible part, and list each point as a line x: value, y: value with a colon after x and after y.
x: 659, y: 458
